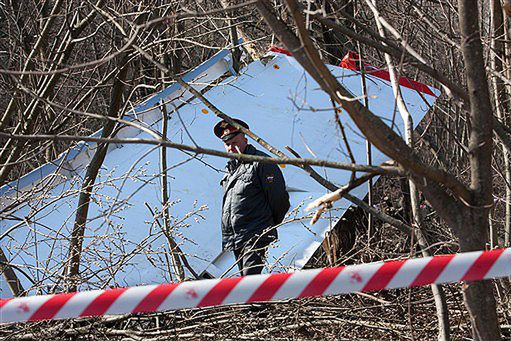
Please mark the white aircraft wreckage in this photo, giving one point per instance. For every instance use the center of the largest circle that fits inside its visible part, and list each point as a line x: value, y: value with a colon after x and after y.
x: 124, y: 244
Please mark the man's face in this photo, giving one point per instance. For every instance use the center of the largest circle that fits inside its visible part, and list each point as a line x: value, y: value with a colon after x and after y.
x: 237, y: 144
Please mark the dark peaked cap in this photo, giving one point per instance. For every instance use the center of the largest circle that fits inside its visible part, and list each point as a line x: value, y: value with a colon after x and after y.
x: 225, y: 131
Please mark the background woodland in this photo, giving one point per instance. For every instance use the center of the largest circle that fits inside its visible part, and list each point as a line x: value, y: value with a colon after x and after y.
x: 70, y: 67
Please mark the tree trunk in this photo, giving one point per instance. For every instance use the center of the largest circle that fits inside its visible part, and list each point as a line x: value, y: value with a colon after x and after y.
x: 472, y: 233
x: 167, y: 231
x: 501, y: 96
x: 75, y: 247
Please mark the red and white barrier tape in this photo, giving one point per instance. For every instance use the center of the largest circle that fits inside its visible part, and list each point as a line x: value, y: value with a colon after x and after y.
x: 469, y: 266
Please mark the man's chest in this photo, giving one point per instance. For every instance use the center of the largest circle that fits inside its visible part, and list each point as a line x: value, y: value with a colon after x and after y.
x: 241, y: 179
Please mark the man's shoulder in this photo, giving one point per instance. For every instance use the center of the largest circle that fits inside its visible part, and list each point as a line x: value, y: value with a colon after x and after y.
x: 251, y: 150
x: 262, y: 166
x: 260, y: 153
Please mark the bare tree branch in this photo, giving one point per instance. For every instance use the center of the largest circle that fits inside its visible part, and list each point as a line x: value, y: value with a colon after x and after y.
x: 384, y: 169
x: 10, y: 276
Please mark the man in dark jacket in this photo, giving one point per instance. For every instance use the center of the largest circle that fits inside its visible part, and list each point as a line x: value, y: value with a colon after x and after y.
x: 255, y: 200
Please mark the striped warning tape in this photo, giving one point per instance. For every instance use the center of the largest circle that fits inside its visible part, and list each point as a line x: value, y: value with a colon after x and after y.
x: 469, y: 266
